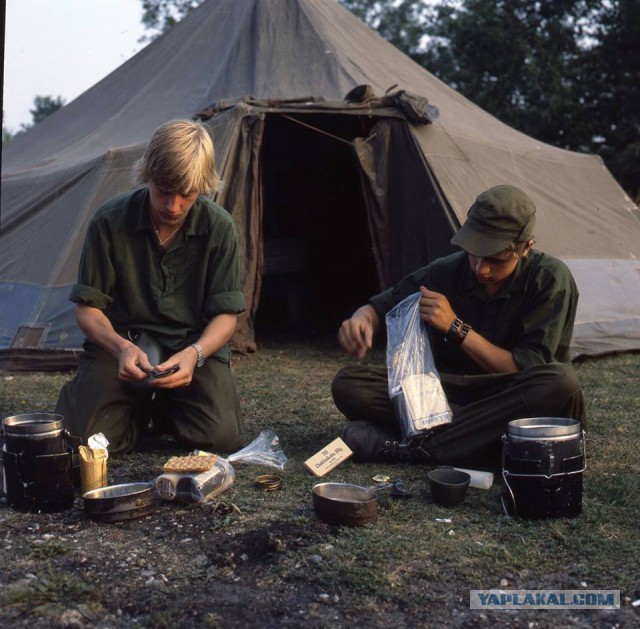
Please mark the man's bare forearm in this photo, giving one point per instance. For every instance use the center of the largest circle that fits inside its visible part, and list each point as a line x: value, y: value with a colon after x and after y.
x: 98, y: 329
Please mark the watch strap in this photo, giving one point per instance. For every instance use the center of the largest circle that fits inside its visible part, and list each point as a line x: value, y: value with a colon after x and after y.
x: 200, y: 353
x: 458, y: 331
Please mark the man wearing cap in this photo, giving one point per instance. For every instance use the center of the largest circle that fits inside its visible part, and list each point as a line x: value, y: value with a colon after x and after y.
x: 500, y: 317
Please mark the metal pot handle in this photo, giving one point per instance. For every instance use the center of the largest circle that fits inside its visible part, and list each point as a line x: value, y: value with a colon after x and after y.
x: 511, y: 496
x: 74, y: 440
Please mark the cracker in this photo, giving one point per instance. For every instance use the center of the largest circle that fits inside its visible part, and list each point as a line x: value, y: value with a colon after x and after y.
x: 190, y: 464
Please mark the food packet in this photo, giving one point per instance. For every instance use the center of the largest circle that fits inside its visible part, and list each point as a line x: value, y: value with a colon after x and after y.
x: 93, y: 463
x: 197, y: 487
x: 415, y: 390
x: 264, y: 450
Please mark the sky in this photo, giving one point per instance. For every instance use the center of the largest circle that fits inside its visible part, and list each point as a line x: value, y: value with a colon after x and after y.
x: 62, y: 48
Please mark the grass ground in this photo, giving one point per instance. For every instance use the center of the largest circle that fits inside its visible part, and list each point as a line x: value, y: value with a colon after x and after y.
x: 264, y: 560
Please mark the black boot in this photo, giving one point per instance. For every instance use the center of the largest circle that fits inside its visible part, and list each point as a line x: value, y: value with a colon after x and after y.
x: 374, y: 444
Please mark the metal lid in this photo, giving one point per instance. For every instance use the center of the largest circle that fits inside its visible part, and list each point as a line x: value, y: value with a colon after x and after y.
x: 544, y: 427
x: 32, y: 423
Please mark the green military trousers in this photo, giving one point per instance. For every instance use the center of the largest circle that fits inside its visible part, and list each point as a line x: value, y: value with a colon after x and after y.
x: 482, y: 406
x: 205, y: 414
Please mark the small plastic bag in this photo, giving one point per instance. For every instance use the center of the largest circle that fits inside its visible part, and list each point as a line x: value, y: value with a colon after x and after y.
x: 264, y: 450
x: 415, y: 390
x: 197, y: 487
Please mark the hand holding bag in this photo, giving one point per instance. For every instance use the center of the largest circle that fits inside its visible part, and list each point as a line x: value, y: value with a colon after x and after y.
x: 415, y: 390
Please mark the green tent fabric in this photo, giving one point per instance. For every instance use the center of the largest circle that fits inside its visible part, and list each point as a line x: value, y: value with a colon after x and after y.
x: 333, y: 199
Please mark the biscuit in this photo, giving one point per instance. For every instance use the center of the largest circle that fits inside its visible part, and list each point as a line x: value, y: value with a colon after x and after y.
x: 190, y: 464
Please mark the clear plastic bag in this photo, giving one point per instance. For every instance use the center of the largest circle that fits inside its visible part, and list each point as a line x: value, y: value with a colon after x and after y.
x: 197, y: 487
x: 415, y: 389
x: 264, y: 450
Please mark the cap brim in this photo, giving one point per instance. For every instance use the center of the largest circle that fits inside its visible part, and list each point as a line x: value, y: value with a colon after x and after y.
x: 479, y: 244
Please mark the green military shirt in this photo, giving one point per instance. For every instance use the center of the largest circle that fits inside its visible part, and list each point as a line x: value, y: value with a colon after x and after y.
x: 172, y: 294
x: 532, y: 315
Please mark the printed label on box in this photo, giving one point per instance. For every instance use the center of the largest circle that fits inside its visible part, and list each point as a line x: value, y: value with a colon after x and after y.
x: 328, y: 458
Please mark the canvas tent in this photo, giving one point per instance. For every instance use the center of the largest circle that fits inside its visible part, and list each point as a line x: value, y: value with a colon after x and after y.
x: 331, y: 199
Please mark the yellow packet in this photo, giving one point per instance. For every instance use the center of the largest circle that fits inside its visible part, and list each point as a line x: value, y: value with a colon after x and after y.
x: 93, y: 468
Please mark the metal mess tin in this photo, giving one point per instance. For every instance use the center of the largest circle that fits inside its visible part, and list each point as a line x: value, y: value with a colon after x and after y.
x: 344, y: 503
x: 120, y: 502
x: 38, y: 462
x: 543, y: 461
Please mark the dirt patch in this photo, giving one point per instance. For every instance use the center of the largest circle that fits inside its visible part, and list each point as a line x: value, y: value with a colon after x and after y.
x: 262, y: 559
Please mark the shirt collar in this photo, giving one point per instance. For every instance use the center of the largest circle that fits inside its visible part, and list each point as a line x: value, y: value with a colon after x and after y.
x: 137, y: 211
x: 517, y: 282
x: 196, y: 222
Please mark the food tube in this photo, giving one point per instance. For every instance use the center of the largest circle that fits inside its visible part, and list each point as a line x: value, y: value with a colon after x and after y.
x: 479, y: 479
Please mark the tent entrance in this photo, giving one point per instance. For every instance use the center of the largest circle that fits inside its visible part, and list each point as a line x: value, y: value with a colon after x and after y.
x: 318, y: 260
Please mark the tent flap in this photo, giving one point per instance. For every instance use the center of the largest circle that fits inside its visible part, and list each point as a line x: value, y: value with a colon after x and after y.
x: 242, y: 196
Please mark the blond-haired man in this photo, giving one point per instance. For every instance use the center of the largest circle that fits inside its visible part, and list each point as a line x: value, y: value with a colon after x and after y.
x: 157, y: 297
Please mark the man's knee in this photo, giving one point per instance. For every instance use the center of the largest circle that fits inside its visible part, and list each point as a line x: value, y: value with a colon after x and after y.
x: 211, y: 429
x: 340, y: 387
x: 555, y: 390
x: 215, y: 438
x: 559, y: 381
x: 350, y: 391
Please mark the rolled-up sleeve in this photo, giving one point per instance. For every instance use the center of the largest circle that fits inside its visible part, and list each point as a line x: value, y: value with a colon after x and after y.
x: 89, y: 296
x: 96, y: 275
x: 224, y: 291
x: 544, y: 333
x: 233, y: 303
x: 548, y: 324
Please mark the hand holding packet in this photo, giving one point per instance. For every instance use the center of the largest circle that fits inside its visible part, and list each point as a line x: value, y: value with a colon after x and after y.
x: 154, y: 373
x: 415, y: 390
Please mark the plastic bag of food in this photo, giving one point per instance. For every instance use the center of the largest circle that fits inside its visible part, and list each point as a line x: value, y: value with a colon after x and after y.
x: 415, y: 390
x: 194, y: 488
x: 264, y: 450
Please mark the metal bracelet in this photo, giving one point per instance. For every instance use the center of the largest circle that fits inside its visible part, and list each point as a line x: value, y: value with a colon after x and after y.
x: 200, y: 353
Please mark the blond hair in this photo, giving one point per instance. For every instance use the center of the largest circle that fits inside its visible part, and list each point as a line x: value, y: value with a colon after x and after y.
x: 181, y: 158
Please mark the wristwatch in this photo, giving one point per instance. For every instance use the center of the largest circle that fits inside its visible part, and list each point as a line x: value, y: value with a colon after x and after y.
x: 200, y: 360
x: 458, y: 331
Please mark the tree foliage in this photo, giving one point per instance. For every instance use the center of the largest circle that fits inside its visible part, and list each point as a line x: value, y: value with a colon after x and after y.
x: 401, y: 22
x: 7, y: 135
x: 609, y: 91
x: 566, y: 72
x: 513, y: 58
x: 161, y: 15
x: 44, y: 106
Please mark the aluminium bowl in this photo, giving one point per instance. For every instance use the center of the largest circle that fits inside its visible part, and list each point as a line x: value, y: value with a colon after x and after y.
x: 120, y: 502
x: 344, y: 503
